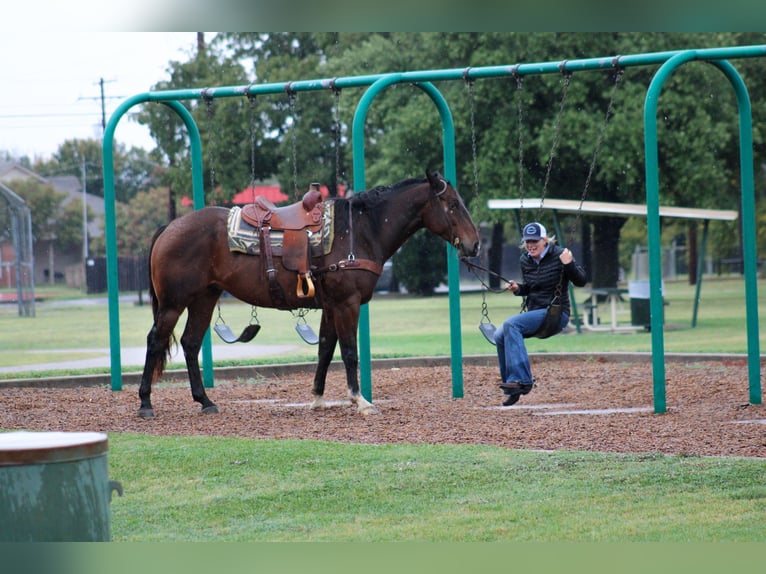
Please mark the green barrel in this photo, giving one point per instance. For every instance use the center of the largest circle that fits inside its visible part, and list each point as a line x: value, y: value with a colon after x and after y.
x: 54, y: 487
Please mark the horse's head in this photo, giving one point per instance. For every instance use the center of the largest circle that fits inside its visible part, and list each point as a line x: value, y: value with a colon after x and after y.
x: 449, y: 218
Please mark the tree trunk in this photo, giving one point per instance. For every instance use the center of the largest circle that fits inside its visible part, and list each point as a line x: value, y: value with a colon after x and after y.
x: 606, y: 255
x: 495, y: 256
x: 691, y: 253
x: 51, y: 262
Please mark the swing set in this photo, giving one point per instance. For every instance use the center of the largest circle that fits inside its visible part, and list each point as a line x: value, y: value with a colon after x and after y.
x: 666, y: 63
x: 549, y: 326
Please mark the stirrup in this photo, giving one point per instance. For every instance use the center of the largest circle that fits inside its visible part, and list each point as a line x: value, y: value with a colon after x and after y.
x: 488, y: 330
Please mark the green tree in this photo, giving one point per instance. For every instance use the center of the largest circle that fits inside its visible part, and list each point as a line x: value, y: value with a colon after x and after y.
x: 420, y: 265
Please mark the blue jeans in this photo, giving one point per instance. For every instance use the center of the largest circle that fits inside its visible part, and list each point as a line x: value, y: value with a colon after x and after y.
x: 512, y: 356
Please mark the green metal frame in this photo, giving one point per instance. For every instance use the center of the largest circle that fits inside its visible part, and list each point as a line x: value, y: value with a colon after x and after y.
x: 668, y: 62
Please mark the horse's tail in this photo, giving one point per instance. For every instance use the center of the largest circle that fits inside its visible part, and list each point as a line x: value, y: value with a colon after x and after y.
x: 164, y: 355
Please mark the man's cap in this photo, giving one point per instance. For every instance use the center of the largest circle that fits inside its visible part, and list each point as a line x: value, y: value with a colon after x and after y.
x: 534, y: 232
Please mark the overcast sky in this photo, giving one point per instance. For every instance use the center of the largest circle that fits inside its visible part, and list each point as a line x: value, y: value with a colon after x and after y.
x: 51, y: 84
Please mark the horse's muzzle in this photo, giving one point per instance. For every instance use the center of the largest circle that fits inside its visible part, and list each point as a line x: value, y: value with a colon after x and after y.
x: 467, y: 249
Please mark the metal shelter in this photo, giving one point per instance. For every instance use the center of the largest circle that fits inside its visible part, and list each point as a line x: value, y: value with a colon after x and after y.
x: 667, y: 62
x: 620, y: 209
x: 24, y: 259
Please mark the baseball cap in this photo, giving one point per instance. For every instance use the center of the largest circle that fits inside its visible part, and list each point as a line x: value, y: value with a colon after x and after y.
x: 534, y: 232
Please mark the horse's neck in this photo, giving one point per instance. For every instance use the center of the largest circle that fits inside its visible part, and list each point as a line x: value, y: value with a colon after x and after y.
x: 395, y: 221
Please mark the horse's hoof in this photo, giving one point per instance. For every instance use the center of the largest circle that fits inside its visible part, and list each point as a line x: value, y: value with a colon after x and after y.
x: 368, y: 410
x: 146, y: 413
x: 318, y: 403
x: 211, y: 410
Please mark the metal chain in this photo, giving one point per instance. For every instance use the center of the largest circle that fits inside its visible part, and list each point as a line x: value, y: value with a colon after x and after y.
x: 208, y: 99
x: 251, y: 101
x: 599, y: 141
x: 336, y: 118
x: 556, y: 136
x: 471, y: 97
x: 291, y: 95
x: 520, y: 116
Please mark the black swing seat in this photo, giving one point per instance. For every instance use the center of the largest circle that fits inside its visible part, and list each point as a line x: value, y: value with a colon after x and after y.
x: 228, y: 336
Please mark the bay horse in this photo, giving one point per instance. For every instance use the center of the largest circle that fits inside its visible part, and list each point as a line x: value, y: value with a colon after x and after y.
x: 191, y: 265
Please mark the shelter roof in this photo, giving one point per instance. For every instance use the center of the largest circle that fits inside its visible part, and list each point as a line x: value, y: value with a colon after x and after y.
x: 607, y: 208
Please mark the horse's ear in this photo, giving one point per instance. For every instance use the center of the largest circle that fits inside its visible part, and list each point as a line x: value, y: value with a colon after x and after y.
x: 434, y: 178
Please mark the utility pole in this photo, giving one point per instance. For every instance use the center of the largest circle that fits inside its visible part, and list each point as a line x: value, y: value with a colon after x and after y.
x: 103, y: 97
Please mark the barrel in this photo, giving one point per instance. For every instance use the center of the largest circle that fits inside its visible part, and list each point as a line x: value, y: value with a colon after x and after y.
x: 54, y: 487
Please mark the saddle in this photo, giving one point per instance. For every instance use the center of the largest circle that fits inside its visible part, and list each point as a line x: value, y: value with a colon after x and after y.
x: 297, y: 222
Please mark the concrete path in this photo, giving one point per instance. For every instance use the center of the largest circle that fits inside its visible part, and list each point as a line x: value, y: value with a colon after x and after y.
x: 134, y: 356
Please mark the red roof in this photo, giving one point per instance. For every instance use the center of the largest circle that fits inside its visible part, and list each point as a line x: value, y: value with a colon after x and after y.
x: 271, y: 192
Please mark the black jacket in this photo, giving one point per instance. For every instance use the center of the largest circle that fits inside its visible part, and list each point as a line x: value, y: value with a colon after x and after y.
x: 539, y: 281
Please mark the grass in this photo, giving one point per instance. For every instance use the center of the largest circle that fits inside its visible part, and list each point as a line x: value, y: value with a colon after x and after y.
x: 207, y: 489
x: 401, y: 326
x: 227, y: 489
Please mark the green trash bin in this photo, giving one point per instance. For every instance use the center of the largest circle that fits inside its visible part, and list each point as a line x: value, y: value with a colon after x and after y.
x: 640, y: 303
x: 54, y: 487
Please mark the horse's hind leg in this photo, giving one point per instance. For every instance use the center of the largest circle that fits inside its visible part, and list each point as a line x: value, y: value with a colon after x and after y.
x: 157, y: 348
x: 199, y: 314
x: 328, y: 339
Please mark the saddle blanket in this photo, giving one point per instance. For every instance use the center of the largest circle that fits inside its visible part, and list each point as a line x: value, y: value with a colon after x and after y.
x: 245, y: 238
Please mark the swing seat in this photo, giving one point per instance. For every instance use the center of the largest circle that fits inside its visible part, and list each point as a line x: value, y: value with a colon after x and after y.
x: 488, y: 330
x: 228, y: 336
x: 307, y: 333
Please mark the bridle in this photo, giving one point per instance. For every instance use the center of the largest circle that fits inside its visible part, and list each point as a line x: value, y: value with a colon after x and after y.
x: 438, y: 196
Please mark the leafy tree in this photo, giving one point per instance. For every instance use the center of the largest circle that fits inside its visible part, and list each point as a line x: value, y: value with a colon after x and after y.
x: 420, y: 265
x: 134, y: 167
x: 295, y: 140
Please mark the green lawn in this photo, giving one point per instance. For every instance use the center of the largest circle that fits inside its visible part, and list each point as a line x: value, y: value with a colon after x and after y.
x: 401, y: 326
x: 212, y: 489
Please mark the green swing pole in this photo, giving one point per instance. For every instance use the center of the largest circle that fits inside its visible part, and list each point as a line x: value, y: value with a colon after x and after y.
x: 653, y: 218
x: 448, y: 133
x: 110, y: 228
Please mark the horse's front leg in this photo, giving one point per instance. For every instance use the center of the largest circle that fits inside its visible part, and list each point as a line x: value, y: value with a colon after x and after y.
x: 328, y: 339
x: 346, y: 326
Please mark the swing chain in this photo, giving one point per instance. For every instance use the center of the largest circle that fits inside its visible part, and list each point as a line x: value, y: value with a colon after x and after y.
x: 292, y: 97
x: 251, y: 108
x: 336, y: 129
x: 208, y: 99
x: 520, y: 116
x: 556, y: 134
x: 600, y: 140
x: 484, y: 308
x: 471, y: 101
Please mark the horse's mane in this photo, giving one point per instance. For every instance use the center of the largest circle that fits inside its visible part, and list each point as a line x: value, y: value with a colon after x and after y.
x: 373, y: 197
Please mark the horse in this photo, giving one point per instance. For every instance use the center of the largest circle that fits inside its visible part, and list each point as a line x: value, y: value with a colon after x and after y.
x: 191, y: 265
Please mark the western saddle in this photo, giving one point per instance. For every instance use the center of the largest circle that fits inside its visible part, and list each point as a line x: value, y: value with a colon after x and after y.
x: 297, y: 222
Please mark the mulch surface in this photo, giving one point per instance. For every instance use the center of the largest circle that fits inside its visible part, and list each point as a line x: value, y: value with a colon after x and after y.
x: 591, y: 405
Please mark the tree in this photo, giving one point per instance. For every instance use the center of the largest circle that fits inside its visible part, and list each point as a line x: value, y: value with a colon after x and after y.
x: 295, y: 140
x: 134, y: 167
x: 420, y: 265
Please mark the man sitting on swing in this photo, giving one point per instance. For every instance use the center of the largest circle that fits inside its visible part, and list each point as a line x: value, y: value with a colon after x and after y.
x: 546, y: 271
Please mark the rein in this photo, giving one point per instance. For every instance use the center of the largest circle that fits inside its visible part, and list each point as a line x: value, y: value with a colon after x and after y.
x: 475, y: 266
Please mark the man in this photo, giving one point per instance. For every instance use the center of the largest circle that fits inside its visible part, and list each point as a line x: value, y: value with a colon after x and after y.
x: 546, y: 271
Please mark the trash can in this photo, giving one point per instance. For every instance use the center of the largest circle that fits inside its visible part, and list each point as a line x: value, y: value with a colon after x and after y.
x: 54, y: 487
x: 640, y: 303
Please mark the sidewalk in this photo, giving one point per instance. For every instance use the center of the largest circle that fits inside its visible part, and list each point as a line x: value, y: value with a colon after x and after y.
x: 134, y: 356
